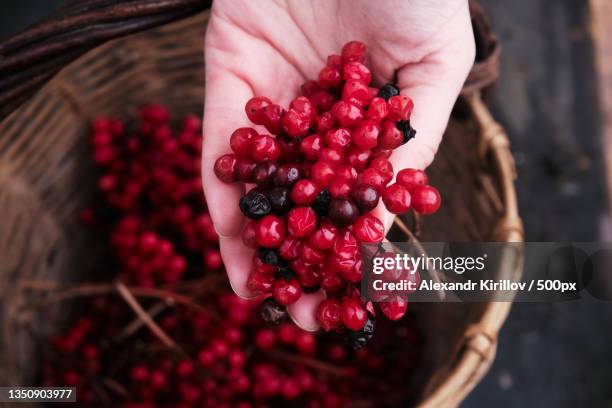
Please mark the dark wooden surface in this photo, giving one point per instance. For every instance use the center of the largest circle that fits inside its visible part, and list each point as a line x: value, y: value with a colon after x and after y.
x: 550, y: 355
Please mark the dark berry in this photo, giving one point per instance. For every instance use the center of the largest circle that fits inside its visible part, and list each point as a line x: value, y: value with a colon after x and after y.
x: 279, y: 200
x: 255, y: 205
x: 359, y: 339
x: 343, y: 211
x: 264, y: 172
x: 365, y: 197
x: 388, y: 90
x: 271, y: 312
x: 311, y: 289
x: 286, y: 175
x: 269, y: 256
x: 321, y: 203
x: 408, y: 131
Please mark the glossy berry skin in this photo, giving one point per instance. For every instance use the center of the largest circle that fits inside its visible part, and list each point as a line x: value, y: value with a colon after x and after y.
x: 304, y: 192
x: 324, y: 237
x: 263, y: 173
x: 388, y: 90
x: 377, y: 110
x: 372, y: 177
x: 396, y: 198
x: 384, y: 167
x: 288, y: 249
x: 369, y: 229
x: 394, y: 310
x: 356, y: 92
x: 390, y: 136
x: 286, y: 291
x: 340, y: 188
x: 309, y: 254
x: 260, y: 282
x: 245, y: 169
x: 264, y: 147
x: 304, y: 107
x: 426, y: 199
x: 365, y: 135
x: 295, y: 124
x: 353, y: 51
x: 411, y: 178
x: 254, y: 107
x: 330, y: 77
x: 255, y: 205
x: 342, y: 211
x: 248, y: 235
x: 352, y: 314
x: 286, y: 175
x: 272, y: 116
x: 400, y: 108
x: 301, y: 221
x: 357, y: 157
x: 331, y: 156
x: 226, y: 168
x: 279, y: 200
x: 311, y: 146
x: 328, y: 314
x: 240, y: 141
x: 347, y: 114
x: 338, y: 138
x: 365, y: 197
x: 357, y: 71
x: 270, y: 231
x: 322, y: 173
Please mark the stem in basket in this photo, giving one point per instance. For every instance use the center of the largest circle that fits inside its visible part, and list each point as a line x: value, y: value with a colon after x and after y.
x: 138, y: 323
x: 129, y: 298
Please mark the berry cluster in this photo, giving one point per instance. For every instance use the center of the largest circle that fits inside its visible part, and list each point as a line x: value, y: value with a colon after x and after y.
x: 151, y: 177
x: 318, y: 176
x: 229, y: 358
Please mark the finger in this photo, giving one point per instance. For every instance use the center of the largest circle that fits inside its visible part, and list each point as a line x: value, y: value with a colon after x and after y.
x: 224, y: 94
x: 303, y: 312
x: 238, y: 259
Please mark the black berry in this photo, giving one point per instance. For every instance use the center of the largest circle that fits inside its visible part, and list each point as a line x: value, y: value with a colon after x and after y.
x: 407, y: 130
x: 279, y: 200
x: 359, y: 339
x: 272, y: 313
x: 388, y: 90
x: 321, y: 203
x: 343, y: 212
x: 365, y: 197
x: 255, y: 205
x: 269, y: 256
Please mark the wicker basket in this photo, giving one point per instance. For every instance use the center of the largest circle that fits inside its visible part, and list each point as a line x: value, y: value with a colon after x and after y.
x: 46, y: 175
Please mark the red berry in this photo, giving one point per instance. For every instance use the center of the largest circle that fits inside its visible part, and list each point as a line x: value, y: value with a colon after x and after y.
x: 328, y: 314
x: 248, y: 235
x: 309, y: 254
x: 295, y: 124
x: 356, y: 92
x: 289, y: 248
x: 240, y: 141
x: 357, y: 158
x: 394, y: 310
x: 253, y: 109
x: 338, y: 138
x: 326, y: 122
x: 245, y: 170
x: 303, y: 106
x: 260, y: 282
x: 372, y: 177
x: 264, y: 147
x: 384, y: 167
x: 331, y: 156
x: 272, y: 116
x: 410, y: 178
x: 330, y: 77
x: 286, y: 291
x: 366, y: 134
x: 342, y: 211
x: 426, y: 199
x: 301, y: 221
x: 369, y: 229
x: 340, y: 188
x: 286, y: 175
x: 304, y: 192
x: 390, y: 136
x: 270, y: 231
x: 396, y: 198
x: 400, y: 108
x: 365, y: 197
x: 225, y: 168
x: 325, y: 236
x: 352, y: 314
x: 347, y: 114
x: 264, y: 172
x: 265, y: 339
x: 378, y: 109
x: 311, y: 146
x: 307, y: 275
x: 357, y: 71
x: 353, y: 51
x: 322, y: 173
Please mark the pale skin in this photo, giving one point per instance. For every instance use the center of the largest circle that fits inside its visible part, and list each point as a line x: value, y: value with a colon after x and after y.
x: 270, y: 47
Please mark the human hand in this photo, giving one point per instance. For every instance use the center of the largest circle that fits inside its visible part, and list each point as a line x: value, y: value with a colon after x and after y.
x: 269, y: 48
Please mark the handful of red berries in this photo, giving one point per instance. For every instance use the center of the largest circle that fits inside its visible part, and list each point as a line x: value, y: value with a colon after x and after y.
x: 319, y: 175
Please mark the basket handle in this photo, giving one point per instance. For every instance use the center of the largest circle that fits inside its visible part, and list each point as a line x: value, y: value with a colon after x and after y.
x: 31, y: 58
